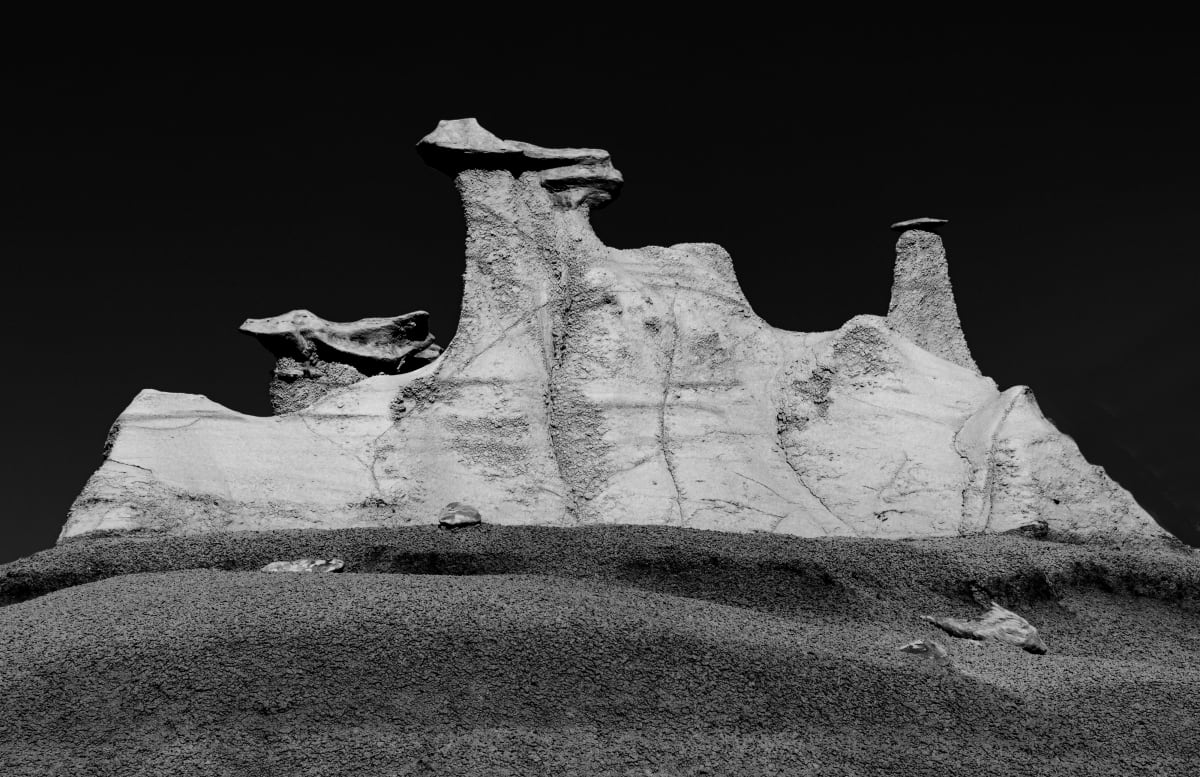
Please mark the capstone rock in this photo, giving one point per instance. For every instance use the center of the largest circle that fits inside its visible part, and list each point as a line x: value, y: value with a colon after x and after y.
x: 588, y: 384
x: 315, y: 357
x: 925, y: 223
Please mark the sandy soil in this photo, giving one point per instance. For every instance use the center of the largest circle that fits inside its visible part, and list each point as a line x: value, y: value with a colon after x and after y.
x: 597, y: 651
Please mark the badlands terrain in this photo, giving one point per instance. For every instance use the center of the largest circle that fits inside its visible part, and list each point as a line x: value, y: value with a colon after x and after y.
x: 704, y: 541
x: 594, y: 651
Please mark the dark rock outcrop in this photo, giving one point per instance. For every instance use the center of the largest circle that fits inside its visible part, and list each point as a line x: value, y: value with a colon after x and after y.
x: 574, y: 176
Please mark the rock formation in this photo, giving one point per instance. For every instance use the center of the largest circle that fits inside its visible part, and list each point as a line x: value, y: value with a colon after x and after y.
x: 457, y: 515
x: 315, y: 356
x: 306, y: 565
x: 927, y: 650
x: 589, y: 384
x: 922, y: 307
x: 996, y: 624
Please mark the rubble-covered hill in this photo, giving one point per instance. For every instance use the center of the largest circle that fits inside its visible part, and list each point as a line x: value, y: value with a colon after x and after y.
x: 594, y: 651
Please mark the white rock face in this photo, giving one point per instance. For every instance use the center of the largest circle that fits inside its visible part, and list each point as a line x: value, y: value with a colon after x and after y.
x: 588, y: 384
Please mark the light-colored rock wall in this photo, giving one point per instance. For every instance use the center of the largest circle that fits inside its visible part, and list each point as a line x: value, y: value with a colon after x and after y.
x: 588, y: 384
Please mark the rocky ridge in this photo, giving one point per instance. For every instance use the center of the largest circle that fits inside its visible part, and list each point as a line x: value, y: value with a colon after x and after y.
x: 588, y: 385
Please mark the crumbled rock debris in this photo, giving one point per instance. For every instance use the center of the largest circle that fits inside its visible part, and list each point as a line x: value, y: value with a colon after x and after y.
x: 306, y: 565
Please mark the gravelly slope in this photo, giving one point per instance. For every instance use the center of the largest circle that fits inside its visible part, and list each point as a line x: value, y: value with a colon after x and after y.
x: 1012, y: 568
x: 629, y: 650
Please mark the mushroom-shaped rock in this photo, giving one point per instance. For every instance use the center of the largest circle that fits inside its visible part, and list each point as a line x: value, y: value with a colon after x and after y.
x: 306, y: 565
x: 574, y: 176
x: 922, y: 306
x: 315, y: 356
x: 996, y: 624
x: 457, y: 515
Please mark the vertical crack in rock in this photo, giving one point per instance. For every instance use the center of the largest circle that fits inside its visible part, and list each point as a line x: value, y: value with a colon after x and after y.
x: 989, y: 478
x: 922, y: 307
x: 968, y: 480
x: 780, y: 430
x: 664, y: 436
x: 815, y: 389
x: 368, y: 468
x: 558, y: 336
x: 982, y: 480
x: 889, y: 483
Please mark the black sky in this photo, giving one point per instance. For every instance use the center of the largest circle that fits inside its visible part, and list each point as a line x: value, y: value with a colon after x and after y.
x: 156, y: 196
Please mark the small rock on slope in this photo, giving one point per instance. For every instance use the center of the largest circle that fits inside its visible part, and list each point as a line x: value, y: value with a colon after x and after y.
x: 306, y: 565
x: 457, y: 515
x: 998, y: 624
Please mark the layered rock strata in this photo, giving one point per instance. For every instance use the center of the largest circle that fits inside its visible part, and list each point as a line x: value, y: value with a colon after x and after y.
x: 588, y: 384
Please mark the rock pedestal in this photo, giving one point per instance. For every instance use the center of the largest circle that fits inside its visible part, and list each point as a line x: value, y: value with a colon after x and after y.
x: 922, y: 307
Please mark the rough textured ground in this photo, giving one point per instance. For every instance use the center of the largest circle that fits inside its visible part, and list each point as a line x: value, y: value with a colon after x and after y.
x: 594, y: 651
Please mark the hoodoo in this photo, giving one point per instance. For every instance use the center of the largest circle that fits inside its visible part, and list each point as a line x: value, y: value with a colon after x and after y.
x: 588, y: 384
x: 922, y: 307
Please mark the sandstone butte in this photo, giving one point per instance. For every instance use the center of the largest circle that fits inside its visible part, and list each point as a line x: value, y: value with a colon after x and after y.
x: 594, y: 385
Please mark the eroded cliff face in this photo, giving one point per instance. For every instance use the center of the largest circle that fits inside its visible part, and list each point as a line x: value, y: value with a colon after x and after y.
x: 588, y: 384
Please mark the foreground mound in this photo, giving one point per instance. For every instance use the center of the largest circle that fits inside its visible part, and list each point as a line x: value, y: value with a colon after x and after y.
x: 757, y: 657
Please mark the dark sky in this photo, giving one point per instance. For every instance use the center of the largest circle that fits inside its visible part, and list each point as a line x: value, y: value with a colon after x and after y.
x: 154, y: 197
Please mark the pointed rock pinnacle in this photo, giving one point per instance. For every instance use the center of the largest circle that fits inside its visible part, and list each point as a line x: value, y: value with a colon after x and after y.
x: 922, y: 307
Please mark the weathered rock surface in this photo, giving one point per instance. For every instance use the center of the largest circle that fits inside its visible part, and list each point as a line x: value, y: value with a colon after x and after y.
x: 589, y: 384
x: 306, y: 565
x: 927, y: 650
x: 315, y: 357
x: 922, y: 307
x: 457, y: 515
x: 998, y: 624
